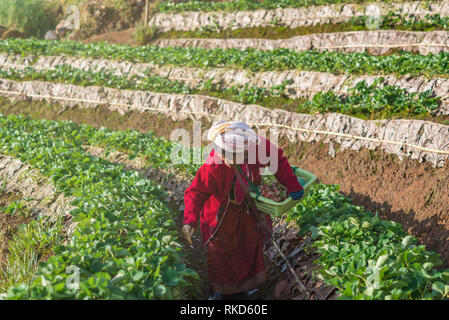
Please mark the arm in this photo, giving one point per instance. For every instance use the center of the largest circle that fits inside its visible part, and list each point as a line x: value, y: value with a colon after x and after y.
x: 197, y: 194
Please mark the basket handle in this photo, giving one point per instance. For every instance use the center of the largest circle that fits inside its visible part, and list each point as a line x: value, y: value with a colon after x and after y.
x: 254, y: 188
x: 294, y: 169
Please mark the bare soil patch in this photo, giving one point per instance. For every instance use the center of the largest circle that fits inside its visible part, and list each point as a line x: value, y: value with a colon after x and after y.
x: 116, y: 37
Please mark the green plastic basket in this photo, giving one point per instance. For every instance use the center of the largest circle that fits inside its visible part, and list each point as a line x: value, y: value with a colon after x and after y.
x: 276, y: 209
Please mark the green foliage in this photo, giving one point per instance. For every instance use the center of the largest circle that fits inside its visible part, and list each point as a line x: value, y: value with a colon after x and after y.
x: 374, y: 99
x: 29, y: 16
x: 362, y: 100
x: 144, y: 34
x: 405, y: 63
x: 125, y: 244
x: 364, y: 256
x: 407, y: 22
x: 30, y: 243
x: 242, y: 5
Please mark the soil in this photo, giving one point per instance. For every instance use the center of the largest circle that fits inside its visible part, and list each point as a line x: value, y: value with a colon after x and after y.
x: 116, y: 37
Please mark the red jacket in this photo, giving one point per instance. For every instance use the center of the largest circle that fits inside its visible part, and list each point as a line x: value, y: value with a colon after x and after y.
x: 208, y: 195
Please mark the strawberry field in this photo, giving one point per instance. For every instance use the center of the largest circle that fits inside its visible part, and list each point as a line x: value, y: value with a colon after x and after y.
x: 373, y: 127
x: 122, y: 218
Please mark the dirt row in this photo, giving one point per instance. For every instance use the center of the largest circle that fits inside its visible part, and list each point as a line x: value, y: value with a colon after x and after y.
x: 304, y: 83
x: 293, y: 17
x: 375, y: 42
x: 403, y: 138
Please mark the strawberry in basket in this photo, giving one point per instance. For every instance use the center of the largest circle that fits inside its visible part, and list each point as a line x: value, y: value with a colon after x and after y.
x: 273, y: 191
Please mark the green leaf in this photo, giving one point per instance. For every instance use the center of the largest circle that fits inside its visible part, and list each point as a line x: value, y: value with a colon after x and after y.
x: 381, y: 260
x: 138, y: 276
x: 408, y: 240
x: 354, y: 221
x: 366, y: 225
x: 170, y: 277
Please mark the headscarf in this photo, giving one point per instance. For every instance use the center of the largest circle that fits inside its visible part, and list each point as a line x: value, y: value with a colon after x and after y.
x: 232, y: 136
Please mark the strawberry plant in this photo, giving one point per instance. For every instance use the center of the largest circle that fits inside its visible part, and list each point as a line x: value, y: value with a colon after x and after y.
x: 242, y: 5
x: 362, y: 99
x: 364, y: 256
x: 125, y: 244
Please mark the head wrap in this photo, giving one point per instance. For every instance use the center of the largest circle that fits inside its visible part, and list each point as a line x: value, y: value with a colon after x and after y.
x: 232, y: 136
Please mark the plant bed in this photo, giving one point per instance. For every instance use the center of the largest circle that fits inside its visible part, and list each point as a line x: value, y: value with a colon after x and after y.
x: 251, y: 59
x: 123, y: 246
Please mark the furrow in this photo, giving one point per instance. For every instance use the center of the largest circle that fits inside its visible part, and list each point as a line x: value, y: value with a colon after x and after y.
x: 42, y: 199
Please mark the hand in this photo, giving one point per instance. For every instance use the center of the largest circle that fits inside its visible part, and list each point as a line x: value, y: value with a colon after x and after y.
x: 297, y: 195
x: 188, y: 231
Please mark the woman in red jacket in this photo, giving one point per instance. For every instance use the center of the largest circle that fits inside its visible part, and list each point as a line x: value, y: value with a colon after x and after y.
x: 232, y: 233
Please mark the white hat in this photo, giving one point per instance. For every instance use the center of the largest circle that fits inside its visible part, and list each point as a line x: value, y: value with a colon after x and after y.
x: 232, y: 136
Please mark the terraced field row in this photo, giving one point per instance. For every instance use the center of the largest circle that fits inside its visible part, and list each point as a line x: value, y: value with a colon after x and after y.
x: 241, y: 5
x: 292, y: 15
x: 252, y: 60
x: 299, y: 83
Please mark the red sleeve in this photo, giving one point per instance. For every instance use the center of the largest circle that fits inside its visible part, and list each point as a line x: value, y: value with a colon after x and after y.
x: 197, y: 194
x: 284, y: 173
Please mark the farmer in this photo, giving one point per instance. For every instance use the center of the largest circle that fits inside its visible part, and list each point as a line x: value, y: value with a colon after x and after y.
x: 233, y: 231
